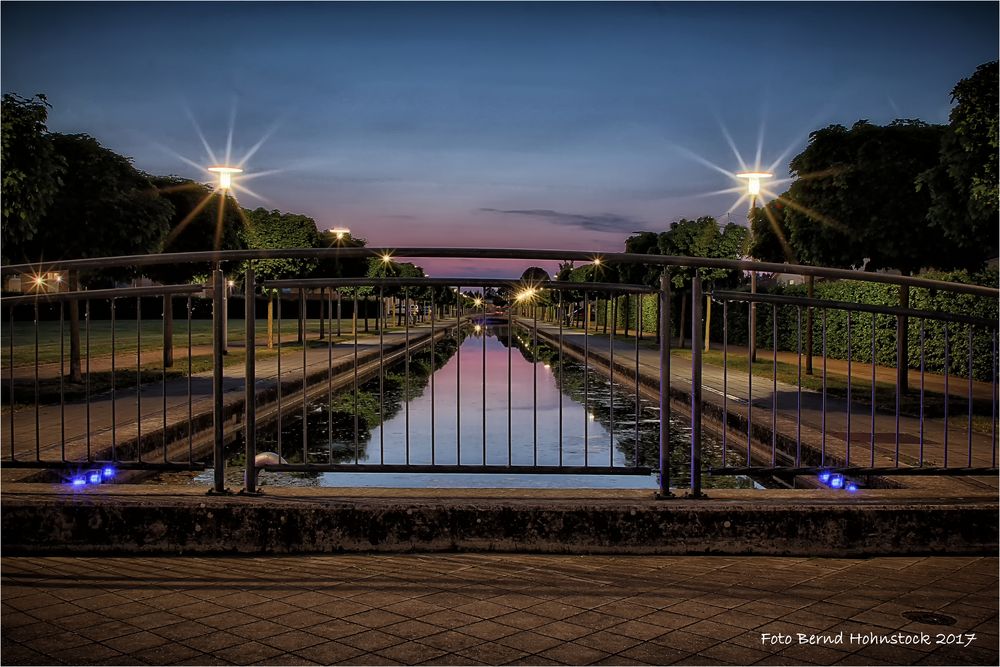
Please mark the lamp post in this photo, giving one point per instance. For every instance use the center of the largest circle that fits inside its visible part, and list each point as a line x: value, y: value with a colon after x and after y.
x: 753, y: 179
x: 225, y: 183
x: 339, y: 234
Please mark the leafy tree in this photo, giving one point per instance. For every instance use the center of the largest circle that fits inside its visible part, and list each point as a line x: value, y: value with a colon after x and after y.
x: 702, y: 238
x: 963, y: 185
x: 32, y: 169
x: 854, y: 201
x: 274, y: 229
x: 105, y: 207
x: 769, y: 233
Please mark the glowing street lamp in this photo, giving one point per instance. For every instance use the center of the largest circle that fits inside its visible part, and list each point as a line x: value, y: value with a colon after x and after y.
x: 225, y: 175
x: 753, y: 179
x: 339, y: 232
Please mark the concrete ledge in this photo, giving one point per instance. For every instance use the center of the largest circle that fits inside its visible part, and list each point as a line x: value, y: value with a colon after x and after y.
x: 50, y: 519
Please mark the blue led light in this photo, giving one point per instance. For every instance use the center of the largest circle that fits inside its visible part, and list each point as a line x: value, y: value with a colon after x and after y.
x: 824, y: 476
x: 836, y: 481
x: 94, y: 477
x: 851, y: 487
x: 108, y: 472
x: 79, y: 481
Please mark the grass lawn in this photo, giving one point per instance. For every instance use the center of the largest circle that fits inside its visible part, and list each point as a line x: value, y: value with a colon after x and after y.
x: 150, y: 335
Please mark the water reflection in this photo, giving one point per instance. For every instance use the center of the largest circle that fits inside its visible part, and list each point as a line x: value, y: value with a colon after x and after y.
x: 551, y: 413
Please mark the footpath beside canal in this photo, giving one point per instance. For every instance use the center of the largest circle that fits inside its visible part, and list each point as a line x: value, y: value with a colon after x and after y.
x: 783, y: 416
x: 109, y: 426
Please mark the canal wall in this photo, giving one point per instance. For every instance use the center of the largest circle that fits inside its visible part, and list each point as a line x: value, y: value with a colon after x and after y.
x: 181, y: 520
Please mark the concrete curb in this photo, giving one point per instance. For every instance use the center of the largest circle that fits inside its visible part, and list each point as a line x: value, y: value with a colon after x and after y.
x: 812, y: 526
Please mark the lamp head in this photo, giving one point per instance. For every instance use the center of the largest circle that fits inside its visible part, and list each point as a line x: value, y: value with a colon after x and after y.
x: 225, y: 175
x: 753, y: 179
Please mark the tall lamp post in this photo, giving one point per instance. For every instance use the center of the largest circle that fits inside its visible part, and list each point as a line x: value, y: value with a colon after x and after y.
x: 225, y: 183
x: 339, y: 234
x: 753, y: 179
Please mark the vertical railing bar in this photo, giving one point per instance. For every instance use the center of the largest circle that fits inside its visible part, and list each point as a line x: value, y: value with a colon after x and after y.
x: 406, y: 389
x: 534, y: 378
x: 354, y: 326
x: 510, y: 407
x: 774, y: 384
x: 218, y: 347
x: 38, y: 427
x: 697, y: 346
x: 970, y: 395
x: 62, y: 374
x: 947, y: 394
x: 725, y: 379
x: 798, y: 387
x: 250, y: 380
x: 665, y: 334
x: 638, y: 335
x: 381, y: 375
x: 586, y: 377
x: 993, y: 407
x: 608, y: 310
x: 433, y: 373
x: 751, y: 340
x: 458, y: 376
x: 10, y: 430
x: 304, y: 323
x: 899, y: 369
x: 114, y: 410
x: 872, y: 463
x: 849, y: 404
x: 279, y: 374
x: 562, y: 317
x: 922, y: 371
x: 190, y: 424
x: 822, y: 455
x: 167, y: 303
x: 138, y: 378
x: 482, y: 330
x: 327, y: 295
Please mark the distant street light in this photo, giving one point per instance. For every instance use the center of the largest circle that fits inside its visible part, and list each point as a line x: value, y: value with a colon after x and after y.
x: 340, y: 232
x: 753, y: 179
x: 225, y: 175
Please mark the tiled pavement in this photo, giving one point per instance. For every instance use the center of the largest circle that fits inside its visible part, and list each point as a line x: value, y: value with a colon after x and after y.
x: 473, y: 609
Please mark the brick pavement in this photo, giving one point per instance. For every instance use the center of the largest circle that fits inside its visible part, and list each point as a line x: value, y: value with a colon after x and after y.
x: 473, y: 609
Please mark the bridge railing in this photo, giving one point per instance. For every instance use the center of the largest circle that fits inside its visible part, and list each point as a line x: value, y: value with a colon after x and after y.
x: 743, y: 404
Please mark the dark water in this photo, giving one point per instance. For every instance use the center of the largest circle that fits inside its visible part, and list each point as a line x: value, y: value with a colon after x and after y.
x: 539, y: 410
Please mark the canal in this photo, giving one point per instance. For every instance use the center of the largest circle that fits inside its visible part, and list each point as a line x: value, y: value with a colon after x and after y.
x: 493, y: 397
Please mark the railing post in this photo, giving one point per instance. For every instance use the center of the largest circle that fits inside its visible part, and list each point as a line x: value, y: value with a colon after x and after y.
x: 664, y: 491
x: 696, y: 351
x: 249, y: 383
x: 218, y: 331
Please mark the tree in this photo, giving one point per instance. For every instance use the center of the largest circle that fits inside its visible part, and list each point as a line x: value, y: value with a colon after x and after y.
x: 702, y: 238
x: 963, y: 185
x: 105, y: 207
x: 769, y: 233
x: 854, y: 200
x: 202, y: 220
x: 274, y: 229
x: 32, y: 169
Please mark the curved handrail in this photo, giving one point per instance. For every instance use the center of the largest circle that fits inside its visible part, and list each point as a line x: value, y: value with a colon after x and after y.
x: 209, y: 256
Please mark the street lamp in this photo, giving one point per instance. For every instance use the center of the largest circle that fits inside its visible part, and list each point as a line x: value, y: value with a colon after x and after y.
x: 225, y: 175
x: 225, y: 183
x: 753, y: 179
x: 340, y: 232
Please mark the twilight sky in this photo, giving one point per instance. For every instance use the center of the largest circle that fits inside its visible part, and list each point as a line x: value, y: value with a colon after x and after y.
x: 564, y: 125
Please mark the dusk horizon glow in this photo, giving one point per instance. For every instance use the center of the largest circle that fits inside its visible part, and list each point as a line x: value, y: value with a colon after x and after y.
x: 521, y: 125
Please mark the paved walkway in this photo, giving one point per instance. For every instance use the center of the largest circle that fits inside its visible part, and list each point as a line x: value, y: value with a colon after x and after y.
x: 824, y: 422
x: 113, y: 420
x: 473, y: 609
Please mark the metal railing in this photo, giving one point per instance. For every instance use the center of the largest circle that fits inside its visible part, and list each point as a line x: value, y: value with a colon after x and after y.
x: 152, y: 416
